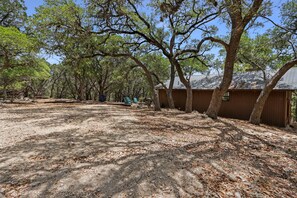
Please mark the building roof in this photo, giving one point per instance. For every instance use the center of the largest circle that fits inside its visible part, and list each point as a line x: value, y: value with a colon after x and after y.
x: 253, y: 80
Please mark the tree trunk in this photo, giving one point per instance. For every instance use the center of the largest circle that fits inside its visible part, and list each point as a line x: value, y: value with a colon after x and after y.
x: 95, y: 96
x: 170, y: 99
x: 296, y: 108
x: 26, y: 92
x: 52, y: 90
x: 218, y: 93
x: 189, y: 100
x: 34, y: 95
x: 156, y: 100
x: 169, y: 91
x: 81, y: 91
x: 12, y: 97
x: 151, y: 83
x: 215, y: 103
x: 187, y: 84
x: 57, y: 92
x: 239, y: 21
x: 255, y: 117
x: 5, y: 93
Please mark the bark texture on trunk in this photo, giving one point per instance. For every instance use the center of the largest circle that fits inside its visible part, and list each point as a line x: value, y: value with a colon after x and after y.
x: 189, y: 100
x: 296, y: 109
x: 170, y: 99
x: 294, y: 95
x: 156, y: 100
x: 239, y: 21
x: 169, y: 91
x: 215, y: 103
x: 255, y: 117
x: 218, y: 93
x: 187, y: 84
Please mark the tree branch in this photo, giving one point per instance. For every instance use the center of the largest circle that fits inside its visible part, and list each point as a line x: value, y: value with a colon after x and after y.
x: 212, y: 39
x: 277, y: 25
x: 252, y: 11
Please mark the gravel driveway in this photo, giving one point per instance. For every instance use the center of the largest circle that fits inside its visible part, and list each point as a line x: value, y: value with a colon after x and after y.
x: 93, y: 150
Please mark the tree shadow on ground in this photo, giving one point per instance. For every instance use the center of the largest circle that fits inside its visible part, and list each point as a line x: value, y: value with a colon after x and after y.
x: 146, y: 156
x: 64, y: 114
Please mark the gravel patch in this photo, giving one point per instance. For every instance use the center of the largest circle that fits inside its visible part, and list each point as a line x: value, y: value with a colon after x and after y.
x: 98, y: 150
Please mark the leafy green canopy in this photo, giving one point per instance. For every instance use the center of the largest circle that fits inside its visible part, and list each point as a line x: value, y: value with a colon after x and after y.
x: 16, y: 78
x: 15, y: 47
x: 11, y: 36
x: 18, y: 61
x: 12, y: 13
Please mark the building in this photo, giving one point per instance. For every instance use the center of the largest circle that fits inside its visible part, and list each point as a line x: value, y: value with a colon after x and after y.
x: 239, y: 101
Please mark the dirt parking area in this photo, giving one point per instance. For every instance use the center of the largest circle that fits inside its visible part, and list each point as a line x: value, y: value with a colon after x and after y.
x: 93, y: 150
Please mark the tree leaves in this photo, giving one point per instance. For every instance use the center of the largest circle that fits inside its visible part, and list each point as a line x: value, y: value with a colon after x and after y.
x: 12, y: 13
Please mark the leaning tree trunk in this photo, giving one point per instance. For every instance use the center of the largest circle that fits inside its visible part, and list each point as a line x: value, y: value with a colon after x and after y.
x: 218, y: 93
x: 151, y: 83
x: 255, y: 117
x: 239, y: 21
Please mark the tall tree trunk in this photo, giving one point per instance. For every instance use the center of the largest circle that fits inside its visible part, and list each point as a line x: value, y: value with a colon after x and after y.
x: 62, y: 91
x: 170, y: 99
x: 81, y: 90
x: 5, y: 93
x: 169, y: 91
x: 296, y: 109
x: 187, y: 84
x: 239, y: 21
x: 26, y: 92
x: 52, y: 91
x: 189, y: 101
x: 218, y: 93
x: 156, y: 100
x: 255, y: 117
x: 12, y: 97
x: 101, y: 90
x: 57, y: 92
x: 295, y: 106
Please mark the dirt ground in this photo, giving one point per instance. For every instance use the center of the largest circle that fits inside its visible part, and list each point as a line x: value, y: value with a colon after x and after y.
x: 93, y: 150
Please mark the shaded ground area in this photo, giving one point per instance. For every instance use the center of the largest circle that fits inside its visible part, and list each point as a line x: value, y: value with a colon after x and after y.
x: 93, y: 150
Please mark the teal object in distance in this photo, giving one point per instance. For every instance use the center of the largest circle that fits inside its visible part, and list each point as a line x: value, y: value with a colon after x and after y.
x: 127, y: 101
x: 135, y: 100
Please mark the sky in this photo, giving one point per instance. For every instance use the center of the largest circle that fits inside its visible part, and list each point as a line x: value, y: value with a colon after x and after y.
x: 33, y: 4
